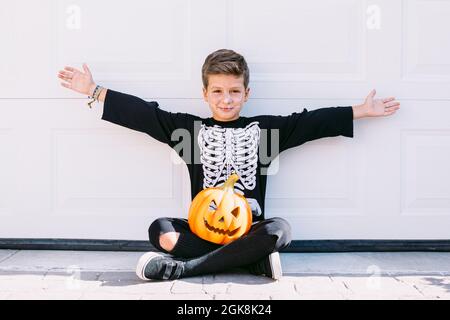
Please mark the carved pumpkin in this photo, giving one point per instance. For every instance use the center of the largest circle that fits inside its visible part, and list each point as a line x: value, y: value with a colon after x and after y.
x: 219, y: 214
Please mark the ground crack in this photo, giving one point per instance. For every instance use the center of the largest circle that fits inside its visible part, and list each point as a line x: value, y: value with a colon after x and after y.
x: 10, y: 256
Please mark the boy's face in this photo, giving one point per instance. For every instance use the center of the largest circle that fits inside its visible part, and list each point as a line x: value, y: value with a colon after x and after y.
x: 225, y: 95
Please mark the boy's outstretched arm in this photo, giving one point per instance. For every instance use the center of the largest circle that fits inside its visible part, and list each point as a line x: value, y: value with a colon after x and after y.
x: 299, y: 128
x: 375, y: 107
x: 127, y: 110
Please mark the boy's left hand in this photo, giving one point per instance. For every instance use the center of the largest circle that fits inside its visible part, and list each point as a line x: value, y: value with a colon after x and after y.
x: 379, y: 107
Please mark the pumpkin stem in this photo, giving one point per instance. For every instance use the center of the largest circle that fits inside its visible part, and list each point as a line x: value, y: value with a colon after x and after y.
x: 229, y: 184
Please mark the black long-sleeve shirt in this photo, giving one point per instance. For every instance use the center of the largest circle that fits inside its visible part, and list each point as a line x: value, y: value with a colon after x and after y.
x: 213, y: 149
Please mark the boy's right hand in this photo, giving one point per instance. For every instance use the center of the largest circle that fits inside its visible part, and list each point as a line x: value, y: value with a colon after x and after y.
x: 78, y: 81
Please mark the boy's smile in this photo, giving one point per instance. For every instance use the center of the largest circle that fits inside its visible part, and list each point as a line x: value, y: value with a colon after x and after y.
x: 225, y: 95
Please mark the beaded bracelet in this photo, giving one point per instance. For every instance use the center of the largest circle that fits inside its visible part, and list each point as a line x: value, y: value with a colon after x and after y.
x: 95, y: 95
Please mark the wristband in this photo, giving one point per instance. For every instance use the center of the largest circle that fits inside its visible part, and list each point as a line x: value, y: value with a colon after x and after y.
x: 95, y: 95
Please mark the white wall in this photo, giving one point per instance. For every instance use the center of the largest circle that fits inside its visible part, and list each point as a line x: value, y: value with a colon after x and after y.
x: 65, y: 173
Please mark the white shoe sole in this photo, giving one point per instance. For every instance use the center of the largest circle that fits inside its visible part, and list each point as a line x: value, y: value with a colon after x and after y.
x: 143, y: 262
x: 275, y: 265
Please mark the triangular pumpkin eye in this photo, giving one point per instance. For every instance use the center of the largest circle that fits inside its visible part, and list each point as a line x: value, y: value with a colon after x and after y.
x: 213, y: 205
x: 235, y: 212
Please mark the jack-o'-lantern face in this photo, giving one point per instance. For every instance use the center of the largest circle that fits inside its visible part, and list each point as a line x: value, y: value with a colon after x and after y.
x: 219, y: 214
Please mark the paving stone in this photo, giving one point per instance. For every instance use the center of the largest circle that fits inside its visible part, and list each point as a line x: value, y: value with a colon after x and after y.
x: 82, y: 275
x: 183, y: 296
x: 22, y: 275
x: 243, y: 296
x: 322, y: 296
x: 72, y: 285
x: 215, y: 284
x: 109, y: 296
x: 136, y: 287
x: 188, y: 285
x: 19, y: 285
x: 432, y: 287
x: 118, y: 276
x: 376, y: 287
x: 312, y: 287
x: 285, y: 296
x: 244, y: 283
x: 47, y: 295
x: 69, y: 260
x: 365, y: 262
x: 4, y: 295
x: 265, y: 287
x: 99, y: 275
x: 72, y: 281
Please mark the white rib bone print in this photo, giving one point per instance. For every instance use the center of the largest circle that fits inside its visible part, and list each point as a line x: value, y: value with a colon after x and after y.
x: 224, y: 151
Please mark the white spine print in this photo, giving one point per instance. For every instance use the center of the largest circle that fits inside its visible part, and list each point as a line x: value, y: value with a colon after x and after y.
x: 224, y: 151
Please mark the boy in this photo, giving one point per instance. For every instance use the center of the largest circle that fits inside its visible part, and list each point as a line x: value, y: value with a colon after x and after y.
x: 227, y: 143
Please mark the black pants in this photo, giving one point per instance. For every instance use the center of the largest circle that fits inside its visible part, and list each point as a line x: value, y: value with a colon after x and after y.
x: 264, y: 237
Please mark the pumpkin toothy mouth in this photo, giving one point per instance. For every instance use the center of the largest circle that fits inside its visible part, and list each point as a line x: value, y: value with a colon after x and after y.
x: 220, y: 231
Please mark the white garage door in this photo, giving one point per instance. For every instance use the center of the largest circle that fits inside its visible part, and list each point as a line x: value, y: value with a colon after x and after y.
x: 65, y: 173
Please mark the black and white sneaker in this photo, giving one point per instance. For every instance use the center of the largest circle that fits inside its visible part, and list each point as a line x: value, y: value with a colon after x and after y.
x: 153, y: 265
x: 270, y: 266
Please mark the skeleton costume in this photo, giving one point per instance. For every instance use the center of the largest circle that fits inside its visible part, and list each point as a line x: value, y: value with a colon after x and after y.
x: 223, y: 148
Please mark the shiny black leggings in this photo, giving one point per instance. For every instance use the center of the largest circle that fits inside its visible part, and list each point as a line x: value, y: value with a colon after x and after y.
x: 203, y: 257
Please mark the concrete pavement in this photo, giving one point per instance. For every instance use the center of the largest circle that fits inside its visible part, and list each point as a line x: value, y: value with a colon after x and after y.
x: 110, y: 275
